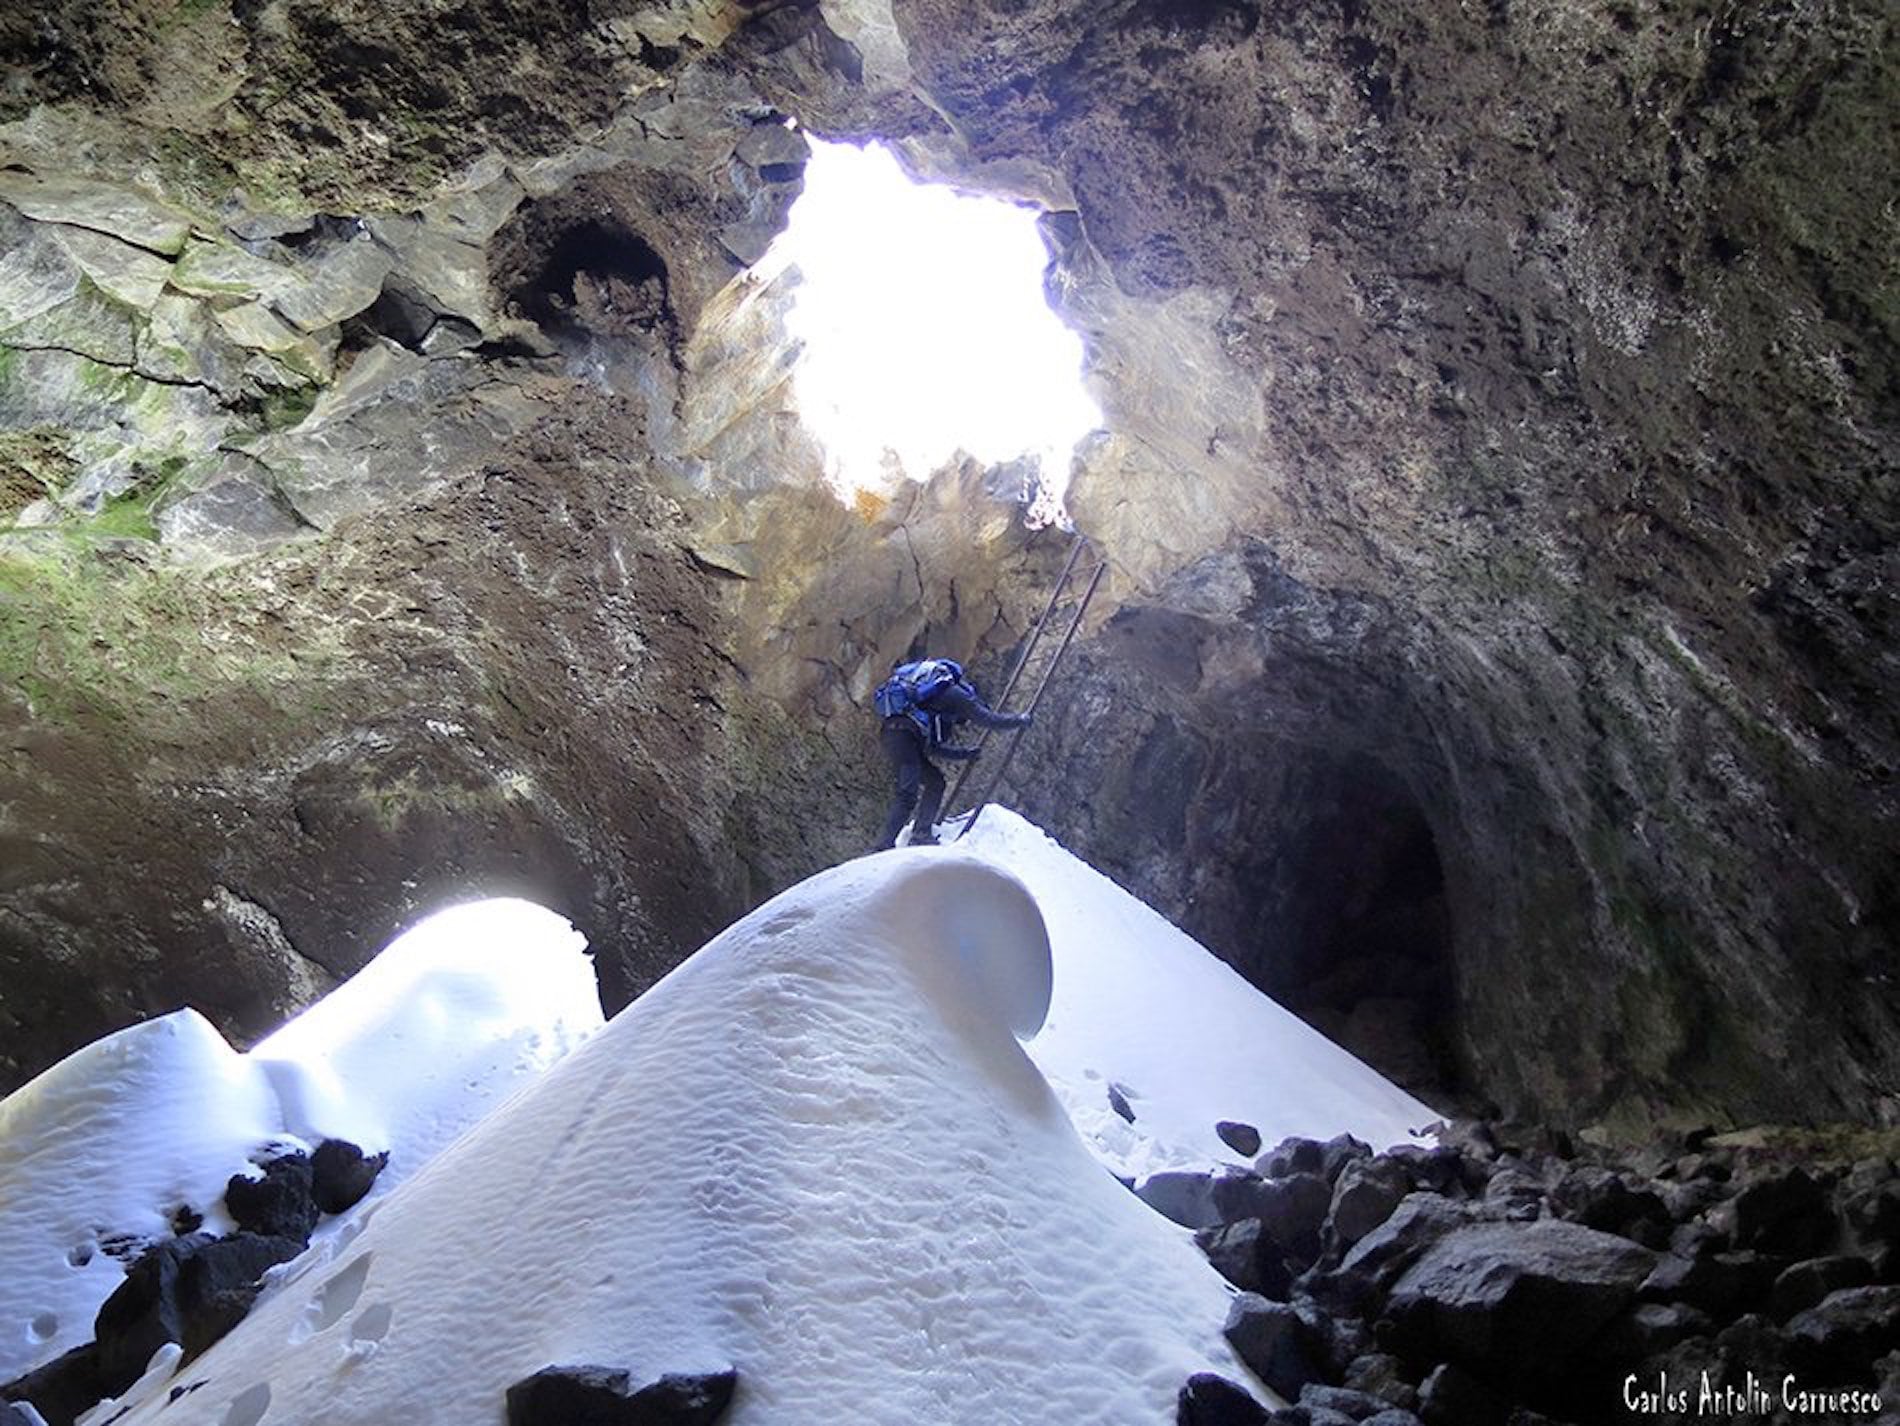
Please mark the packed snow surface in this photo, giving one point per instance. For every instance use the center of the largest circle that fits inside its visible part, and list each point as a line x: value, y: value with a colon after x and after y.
x: 418, y: 1044
x: 820, y: 1151
x: 1142, y: 1005
x: 817, y: 1152
x: 97, y: 1153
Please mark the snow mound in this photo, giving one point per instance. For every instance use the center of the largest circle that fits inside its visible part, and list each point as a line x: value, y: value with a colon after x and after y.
x: 98, y: 1152
x: 447, y: 1020
x: 817, y: 1152
x: 1141, y: 1004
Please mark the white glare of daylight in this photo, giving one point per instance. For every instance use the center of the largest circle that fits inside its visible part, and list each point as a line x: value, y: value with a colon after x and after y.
x: 924, y: 328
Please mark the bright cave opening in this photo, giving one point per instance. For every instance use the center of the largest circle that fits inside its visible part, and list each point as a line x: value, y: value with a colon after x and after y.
x: 925, y: 331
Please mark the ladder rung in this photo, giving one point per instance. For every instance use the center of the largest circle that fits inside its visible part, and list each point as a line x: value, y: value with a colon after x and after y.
x: 1022, y: 662
x: 996, y: 779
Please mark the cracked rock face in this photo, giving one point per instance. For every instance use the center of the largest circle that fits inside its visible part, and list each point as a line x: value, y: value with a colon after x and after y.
x: 1567, y: 361
x: 1497, y: 660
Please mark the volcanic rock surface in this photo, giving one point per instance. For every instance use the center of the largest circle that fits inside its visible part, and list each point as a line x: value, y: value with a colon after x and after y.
x: 1497, y: 479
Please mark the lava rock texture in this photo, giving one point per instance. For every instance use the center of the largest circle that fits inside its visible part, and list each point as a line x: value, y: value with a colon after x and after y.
x: 1514, y: 1276
x: 1540, y: 489
x: 194, y: 1287
x: 605, y: 1396
x: 1498, y: 485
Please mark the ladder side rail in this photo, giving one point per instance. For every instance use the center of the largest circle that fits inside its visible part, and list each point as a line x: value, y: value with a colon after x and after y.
x: 1002, y: 768
x: 1022, y: 662
x: 1036, y: 630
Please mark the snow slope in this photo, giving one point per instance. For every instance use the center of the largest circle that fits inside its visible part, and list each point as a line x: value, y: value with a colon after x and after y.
x: 815, y: 1151
x: 427, y: 1037
x: 106, y: 1144
x: 1141, y: 1004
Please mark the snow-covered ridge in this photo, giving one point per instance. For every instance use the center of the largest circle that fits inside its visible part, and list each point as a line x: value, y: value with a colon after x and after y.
x: 854, y: 1148
x: 1139, y: 1003
x: 816, y: 1152
x: 100, y: 1152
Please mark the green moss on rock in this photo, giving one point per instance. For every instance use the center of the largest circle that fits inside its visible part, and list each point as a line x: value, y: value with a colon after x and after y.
x: 33, y: 465
x: 286, y: 406
x: 90, y: 631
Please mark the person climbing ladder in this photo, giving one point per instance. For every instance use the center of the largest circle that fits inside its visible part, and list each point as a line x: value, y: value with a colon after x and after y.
x: 922, y: 703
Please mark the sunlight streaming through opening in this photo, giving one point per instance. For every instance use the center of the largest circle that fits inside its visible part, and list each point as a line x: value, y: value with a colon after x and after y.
x: 925, y: 330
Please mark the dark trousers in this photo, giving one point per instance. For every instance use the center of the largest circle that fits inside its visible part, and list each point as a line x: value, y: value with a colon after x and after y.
x: 916, y: 776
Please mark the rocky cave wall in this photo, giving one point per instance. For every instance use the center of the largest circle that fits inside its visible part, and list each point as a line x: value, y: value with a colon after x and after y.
x: 1498, y: 485
x: 1555, y: 371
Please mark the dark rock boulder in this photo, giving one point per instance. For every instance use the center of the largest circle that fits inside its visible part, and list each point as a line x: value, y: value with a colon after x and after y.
x: 188, y: 1290
x: 1684, y: 1200
x: 1641, y: 1331
x: 142, y: 1314
x: 1304, y: 1415
x: 1247, y: 1256
x: 1613, y: 1203
x: 1238, y: 1193
x: 1472, y: 1138
x: 685, y: 1399
x: 1867, y: 1173
x: 1210, y: 1400
x: 1392, y: 1416
x: 1724, y: 1285
x: 1440, y: 1169
x: 1847, y: 1330
x: 1378, y: 1260
x: 278, y: 1203
x: 1273, y: 1341
x: 1339, y: 1151
x: 1243, y: 1139
x: 1751, y: 1345
x: 1512, y: 1294
x: 1354, y: 1405
x: 1887, y: 1376
x: 1514, y: 1195
x: 604, y: 1396
x: 1785, y: 1212
x: 1715, y: 1166
x: 1336, y: 1337
x: 226, y: 1265
x: 1294, y: 1155
x: 1450, y: 1397
x: 1383, y: 1375
x: 1291, y: 1209
x: 1696, y: 1239
x: 341, y: 1174
x: 1805, y: 1284
x: 1545, y: 1141
x: 62, y: 1388
x: 1118, y: 1101
x: 1873, y: 1213
x: 1364, y: 1196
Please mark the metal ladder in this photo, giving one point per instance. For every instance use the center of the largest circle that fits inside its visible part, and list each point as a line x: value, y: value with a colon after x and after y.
x: 1030, y: 644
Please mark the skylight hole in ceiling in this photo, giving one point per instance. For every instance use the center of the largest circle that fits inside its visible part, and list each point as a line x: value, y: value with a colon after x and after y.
x: 925, y: 331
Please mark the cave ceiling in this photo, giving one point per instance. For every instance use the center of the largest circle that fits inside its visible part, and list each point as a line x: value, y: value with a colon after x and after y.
x: 1497, y: 481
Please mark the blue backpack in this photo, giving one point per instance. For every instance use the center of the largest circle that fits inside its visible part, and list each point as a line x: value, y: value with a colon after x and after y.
x: 912, y: 685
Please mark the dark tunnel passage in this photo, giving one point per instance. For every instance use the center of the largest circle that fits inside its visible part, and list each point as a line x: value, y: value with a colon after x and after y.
x: 1286, y: 824
x: 1336, y: 907
x: 573, y: 275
